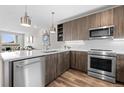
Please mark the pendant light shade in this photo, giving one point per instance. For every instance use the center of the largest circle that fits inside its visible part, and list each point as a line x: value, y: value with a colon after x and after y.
x: 25, y: 20
x: 52, y: 28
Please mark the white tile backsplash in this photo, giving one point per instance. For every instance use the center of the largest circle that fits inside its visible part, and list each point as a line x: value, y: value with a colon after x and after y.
x: 115, y: 45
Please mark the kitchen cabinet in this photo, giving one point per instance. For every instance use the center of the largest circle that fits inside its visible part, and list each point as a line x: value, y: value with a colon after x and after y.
x: 120, y: 68
x: 73, y: 59
x: 104, y: 18
x: 94, y: 20
x: 76, y: 29
x: 67, y: 31
x: 60, y: 64
x: 70, y: 30
x: 63, y: 63
x: 82, y: 28
x: 60, y: 32
x: 55, y: 65
x: 119, y: 22
x: 50, y: 68
x: 66, y: 60
x: 79, y: 60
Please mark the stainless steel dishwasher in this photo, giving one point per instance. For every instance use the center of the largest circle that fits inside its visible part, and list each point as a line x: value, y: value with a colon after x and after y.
x: 29, y: 73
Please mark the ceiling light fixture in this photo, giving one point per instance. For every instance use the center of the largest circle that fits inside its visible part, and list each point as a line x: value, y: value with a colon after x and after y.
x: 52, y: 28
x: 25, y: 20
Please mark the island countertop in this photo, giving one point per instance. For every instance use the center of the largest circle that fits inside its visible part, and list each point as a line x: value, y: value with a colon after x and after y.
x: 24, y: 54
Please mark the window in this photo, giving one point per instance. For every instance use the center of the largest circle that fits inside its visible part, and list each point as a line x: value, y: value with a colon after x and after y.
x: 8, y: 38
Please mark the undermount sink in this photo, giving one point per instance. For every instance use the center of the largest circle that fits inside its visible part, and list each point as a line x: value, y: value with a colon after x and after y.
x: 50, y: 51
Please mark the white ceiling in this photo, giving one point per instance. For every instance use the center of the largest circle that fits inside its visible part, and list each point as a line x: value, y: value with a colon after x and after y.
x: 40, y: 14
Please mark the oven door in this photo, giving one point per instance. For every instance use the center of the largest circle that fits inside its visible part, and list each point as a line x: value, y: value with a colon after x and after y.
x: 102, y: 64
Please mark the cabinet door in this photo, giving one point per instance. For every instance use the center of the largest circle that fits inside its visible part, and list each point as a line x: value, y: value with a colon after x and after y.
x: 60, y: 64
x: 66, y: 61
x: 119, y: 22
x: 74, y: 33
x: 73, y: 59
x: 107, y: 17
x: 82, y: 28
x: 94, y: 20
x: 76, y: 29
x: 120, y: 68
x: 67, y: 31
x: 63, y: 63
x: 81, y: 61
x: 50, y: 68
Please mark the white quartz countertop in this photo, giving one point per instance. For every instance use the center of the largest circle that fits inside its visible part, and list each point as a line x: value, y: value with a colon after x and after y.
x: 19, y: 55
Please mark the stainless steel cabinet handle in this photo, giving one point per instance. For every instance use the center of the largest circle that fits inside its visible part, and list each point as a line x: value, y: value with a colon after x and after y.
x: 20, y: 66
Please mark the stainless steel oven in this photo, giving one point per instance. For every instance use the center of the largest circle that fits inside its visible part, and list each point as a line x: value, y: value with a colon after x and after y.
x: 102, y: 64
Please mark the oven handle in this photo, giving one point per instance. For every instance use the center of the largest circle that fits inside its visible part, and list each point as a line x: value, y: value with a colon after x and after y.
x: 102, y: 57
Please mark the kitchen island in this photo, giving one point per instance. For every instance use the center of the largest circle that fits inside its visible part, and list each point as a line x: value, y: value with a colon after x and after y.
x: 8, y: 59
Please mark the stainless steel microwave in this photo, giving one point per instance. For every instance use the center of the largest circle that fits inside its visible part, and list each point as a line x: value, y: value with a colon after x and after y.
x: 105, y: 32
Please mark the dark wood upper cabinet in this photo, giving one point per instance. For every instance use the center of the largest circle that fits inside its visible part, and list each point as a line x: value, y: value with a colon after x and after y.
x: 106, y: 18
x: 78, y: 28
x: 94, y: 20
x: 119, y: 22
x: 74, y: 31
x: 100, y: 19
x: 120, y: 68
x: 79, y: 60
x: 82, y: 28
x: 50, y: 68
x: 67, y: 31
x: 60, y: 32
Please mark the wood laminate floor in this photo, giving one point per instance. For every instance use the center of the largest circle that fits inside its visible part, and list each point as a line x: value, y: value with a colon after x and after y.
x: 73, y: 78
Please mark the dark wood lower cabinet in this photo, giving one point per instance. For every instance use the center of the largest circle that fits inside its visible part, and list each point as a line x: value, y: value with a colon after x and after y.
x: 50, y: 68
x: 73, y: 60
x: 120, y: 68
x: 56, y: 64
x: 60, y: 64
x: 63, y: 63
x: 79, y: 61
x: 66, y: 60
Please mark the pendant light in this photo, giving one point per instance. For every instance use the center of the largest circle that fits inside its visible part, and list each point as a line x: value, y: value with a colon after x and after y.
x: 25, y: 20
x: 52, y: 28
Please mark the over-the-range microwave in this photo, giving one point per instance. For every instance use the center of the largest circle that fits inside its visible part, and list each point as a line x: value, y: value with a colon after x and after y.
x: 105, y: 32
